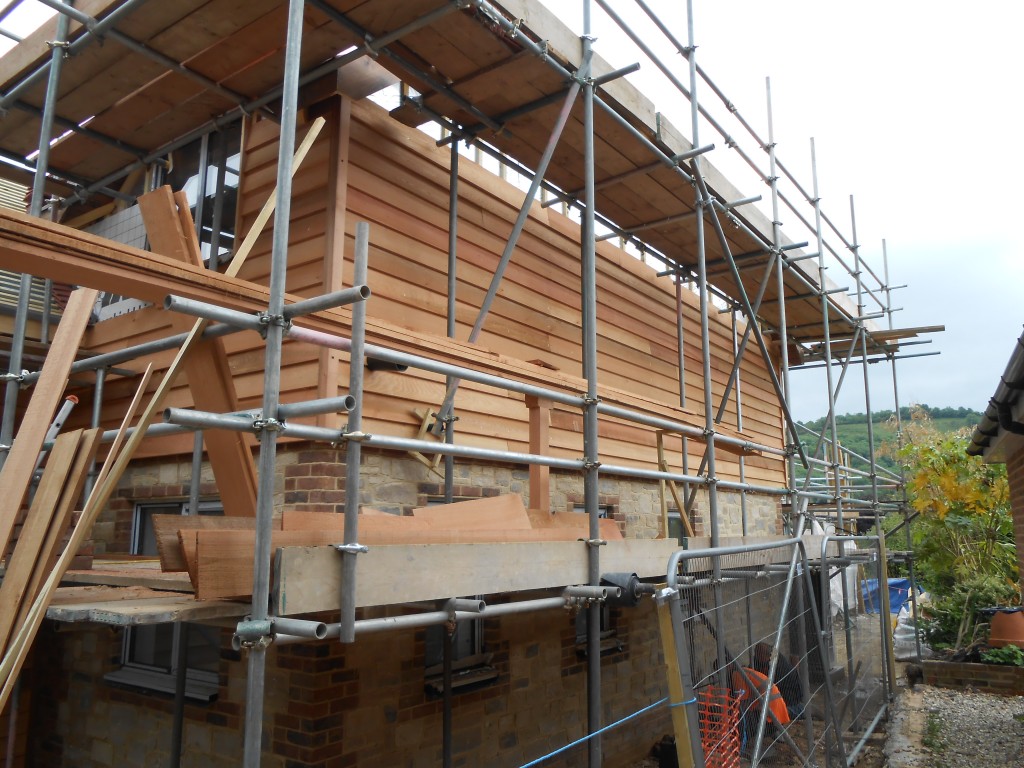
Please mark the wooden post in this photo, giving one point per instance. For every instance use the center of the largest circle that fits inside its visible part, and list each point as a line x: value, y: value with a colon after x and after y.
x: 680, y: 722
x: 338, y: 111
x: 172, y: 233
x: 21, y: 460
x: 540, y: 475
x: 676, y: 498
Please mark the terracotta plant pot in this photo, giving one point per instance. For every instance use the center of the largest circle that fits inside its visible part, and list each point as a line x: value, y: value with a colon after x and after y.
x: 1007, y: 628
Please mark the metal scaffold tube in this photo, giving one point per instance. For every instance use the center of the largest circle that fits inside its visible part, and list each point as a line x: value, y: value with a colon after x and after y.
x: 702, y: 201
x: 890, y: 664
x: 57, y: 56
x: 353, y: 449
x: 255, y: 681
x: 499, y: 271
x: 780, y: 286
x: 588, y: 278
x: 905, y: 508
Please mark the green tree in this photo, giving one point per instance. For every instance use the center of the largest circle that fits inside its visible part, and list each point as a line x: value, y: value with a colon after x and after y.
x: 963, y: 541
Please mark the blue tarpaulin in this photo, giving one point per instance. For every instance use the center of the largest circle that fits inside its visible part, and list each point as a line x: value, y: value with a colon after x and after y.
x: 899, y: 594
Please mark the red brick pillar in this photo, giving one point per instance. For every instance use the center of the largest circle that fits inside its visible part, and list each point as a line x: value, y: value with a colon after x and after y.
x: 1015, y: 473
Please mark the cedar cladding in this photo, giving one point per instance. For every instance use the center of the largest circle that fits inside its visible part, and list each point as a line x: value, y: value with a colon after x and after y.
x: 397, y: 180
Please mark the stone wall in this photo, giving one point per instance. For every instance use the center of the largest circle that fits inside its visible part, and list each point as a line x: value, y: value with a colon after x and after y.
x: 313, y: 479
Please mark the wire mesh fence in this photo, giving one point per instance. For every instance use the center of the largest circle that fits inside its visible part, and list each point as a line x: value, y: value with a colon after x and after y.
x: 780, y: 654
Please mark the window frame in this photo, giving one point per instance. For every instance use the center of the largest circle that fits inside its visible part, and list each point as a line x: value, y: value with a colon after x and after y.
x: 200, y: 684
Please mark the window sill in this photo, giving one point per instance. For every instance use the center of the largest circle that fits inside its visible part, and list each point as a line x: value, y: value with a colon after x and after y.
x: 163, y: 682
x: 469, y: 673
x: 609, y: 644
x: 470, y: 679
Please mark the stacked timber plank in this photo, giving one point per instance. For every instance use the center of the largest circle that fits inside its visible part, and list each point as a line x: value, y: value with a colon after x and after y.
x: 218, y: 552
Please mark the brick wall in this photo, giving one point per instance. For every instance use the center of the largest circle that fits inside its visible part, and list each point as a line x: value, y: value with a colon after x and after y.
x: 987, y: 678
x: 366, y: 704
x: 1015, y: 474
x: 329, y: 705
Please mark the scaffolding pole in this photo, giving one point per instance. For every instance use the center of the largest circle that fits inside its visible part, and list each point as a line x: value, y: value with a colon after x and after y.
x: 255, y: 682
x: 887, y: 649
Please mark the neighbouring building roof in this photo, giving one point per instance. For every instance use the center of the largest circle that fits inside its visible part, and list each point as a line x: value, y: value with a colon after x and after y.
x: 1001, y: 431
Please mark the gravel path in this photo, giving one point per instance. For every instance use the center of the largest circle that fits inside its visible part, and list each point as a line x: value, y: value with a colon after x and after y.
x: 943, y: 728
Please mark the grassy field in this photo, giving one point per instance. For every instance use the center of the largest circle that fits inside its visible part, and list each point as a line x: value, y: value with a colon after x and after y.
x: 853, y: 429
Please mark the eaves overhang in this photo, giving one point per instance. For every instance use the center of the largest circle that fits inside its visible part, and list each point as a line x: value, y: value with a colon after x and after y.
x: 1000, y: 433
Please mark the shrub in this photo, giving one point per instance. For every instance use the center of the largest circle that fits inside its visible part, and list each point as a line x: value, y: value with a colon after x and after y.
x: 1010, y: 655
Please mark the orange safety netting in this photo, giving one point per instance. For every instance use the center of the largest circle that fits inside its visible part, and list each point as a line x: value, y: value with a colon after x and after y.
x: 719, y: 715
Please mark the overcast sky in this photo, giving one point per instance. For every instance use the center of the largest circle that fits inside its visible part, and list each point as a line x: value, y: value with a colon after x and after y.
x: 915, y: 108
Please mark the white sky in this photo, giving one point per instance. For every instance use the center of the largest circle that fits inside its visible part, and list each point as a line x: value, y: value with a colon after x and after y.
x: 915, y: 107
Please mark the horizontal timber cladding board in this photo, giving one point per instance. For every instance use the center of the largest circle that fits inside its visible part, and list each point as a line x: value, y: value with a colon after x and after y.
x: 394, y: 182
x: 490, y: 207
x: 307, y: 576
x: 505, y: 511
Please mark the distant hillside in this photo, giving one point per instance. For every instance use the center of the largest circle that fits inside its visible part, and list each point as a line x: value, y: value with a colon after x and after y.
x: 853, y: 427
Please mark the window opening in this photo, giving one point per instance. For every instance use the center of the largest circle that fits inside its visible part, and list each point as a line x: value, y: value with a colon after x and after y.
x: 149, y: 653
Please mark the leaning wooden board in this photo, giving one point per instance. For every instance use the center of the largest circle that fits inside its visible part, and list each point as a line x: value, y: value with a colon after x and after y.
x: 21, y: 460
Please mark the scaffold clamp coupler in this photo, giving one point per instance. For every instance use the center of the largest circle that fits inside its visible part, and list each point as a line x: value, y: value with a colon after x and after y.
x: 356, y: 436
x: 352, y: 549
x: 270, y: 424
x: 588, y: 400
x: 664, y: 594
x: 254, y: 633
x: 591, y: 464
x: 594, y: 542
x: 13, y: 376
x: 64, y: 45
x: 266, y: 319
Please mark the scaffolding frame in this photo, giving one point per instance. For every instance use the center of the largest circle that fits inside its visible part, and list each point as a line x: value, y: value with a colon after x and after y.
x: 827, y: 479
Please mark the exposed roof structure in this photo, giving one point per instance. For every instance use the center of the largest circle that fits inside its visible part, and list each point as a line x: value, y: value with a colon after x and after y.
x: 152, y: 76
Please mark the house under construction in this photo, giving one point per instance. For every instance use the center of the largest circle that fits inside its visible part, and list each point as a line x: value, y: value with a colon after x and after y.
x: 392, y: 383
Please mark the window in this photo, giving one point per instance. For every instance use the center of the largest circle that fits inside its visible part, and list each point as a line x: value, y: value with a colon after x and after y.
x: 676, y: 530
x: 470, y: 665
x: 213, y: 199
x: 150, y: 652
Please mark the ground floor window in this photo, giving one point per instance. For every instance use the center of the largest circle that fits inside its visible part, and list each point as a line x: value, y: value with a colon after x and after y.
x: 150, y: 653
